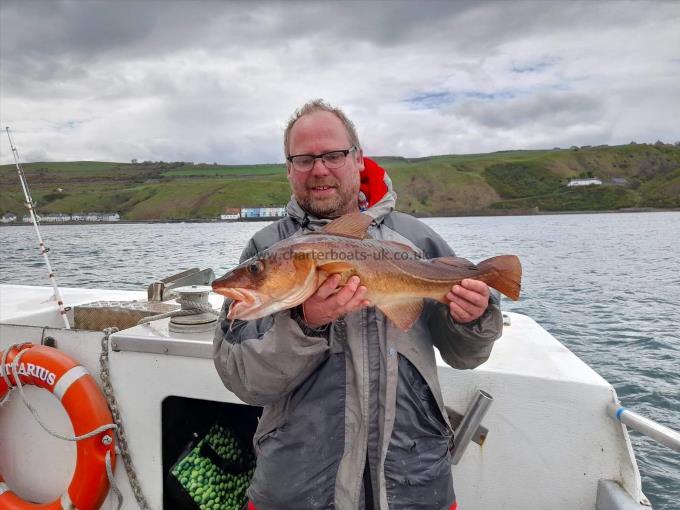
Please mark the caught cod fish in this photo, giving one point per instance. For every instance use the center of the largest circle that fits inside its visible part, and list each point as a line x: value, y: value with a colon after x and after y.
x: 397, y: 279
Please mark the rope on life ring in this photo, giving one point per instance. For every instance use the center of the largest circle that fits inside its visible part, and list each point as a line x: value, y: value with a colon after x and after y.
x: 51, y: 369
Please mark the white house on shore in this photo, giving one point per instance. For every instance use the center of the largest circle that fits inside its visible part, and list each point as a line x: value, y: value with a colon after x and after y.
x: 584, y: 182
x: 55, y: 218
x: 8, y: 218
x: 96, y: 216
x: 230, y: 214
x: 253, y: 213
x: 65, y: 218
x: 110, y: 216
x: 262, y: 212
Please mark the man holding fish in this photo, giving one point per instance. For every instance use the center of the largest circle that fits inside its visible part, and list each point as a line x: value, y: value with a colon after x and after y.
x: 330, y: 324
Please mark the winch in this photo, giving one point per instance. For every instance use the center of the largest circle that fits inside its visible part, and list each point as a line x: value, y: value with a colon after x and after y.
x: 196, y: 314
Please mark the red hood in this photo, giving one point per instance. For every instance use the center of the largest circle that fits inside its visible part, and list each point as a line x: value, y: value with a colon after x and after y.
x: 375, y: 183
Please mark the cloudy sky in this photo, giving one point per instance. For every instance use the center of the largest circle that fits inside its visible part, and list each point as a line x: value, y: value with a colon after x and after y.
x: 213, y: 81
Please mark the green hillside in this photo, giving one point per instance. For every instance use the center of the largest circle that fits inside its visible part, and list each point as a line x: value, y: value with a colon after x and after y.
x: 634, y: 176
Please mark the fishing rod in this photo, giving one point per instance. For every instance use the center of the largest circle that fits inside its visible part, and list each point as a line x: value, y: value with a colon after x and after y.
x: 30, y: 204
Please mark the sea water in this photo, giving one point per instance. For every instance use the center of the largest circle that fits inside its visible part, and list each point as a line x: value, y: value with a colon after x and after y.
x: 606, y: 285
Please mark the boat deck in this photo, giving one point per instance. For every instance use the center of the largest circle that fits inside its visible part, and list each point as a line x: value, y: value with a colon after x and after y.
x: 35, y: 306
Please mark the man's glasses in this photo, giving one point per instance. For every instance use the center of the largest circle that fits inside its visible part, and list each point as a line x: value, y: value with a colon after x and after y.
x: 332, y: 160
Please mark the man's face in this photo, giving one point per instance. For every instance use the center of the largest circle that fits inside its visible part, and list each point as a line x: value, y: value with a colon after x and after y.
x: 324, y: 193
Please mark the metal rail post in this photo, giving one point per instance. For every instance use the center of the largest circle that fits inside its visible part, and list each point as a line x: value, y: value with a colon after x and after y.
x: 469, y: 424
x: 645, y: 426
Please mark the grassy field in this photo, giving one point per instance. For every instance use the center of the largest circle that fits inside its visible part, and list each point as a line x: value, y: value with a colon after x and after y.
x: 496, y: 183
x: 226, y: 171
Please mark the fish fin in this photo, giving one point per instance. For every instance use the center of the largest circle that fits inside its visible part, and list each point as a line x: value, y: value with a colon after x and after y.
x: 336, y: 266
x: 458, y: 262
x: 353, y: 225
x: 405, y: 314
x: 506, y: 274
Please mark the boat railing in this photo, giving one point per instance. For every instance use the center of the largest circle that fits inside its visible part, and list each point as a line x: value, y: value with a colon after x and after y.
x: 660, y: 433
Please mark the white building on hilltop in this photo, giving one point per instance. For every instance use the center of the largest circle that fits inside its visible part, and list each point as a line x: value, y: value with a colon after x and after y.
x: 584, y: 182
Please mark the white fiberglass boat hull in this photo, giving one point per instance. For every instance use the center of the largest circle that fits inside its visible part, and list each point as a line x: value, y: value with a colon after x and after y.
x: 550, y: 444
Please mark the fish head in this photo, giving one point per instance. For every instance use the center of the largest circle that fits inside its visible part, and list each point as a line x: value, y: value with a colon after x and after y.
x: 268, y: 283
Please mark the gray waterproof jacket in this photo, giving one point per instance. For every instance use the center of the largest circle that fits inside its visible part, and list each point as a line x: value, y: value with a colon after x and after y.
x: 353, y: 414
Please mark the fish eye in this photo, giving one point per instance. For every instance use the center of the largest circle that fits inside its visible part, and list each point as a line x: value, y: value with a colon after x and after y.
x: 255, y: 267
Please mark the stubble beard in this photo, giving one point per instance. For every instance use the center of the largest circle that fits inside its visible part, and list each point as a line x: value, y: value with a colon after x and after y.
x: 343, y: 201
x: 327, y: 208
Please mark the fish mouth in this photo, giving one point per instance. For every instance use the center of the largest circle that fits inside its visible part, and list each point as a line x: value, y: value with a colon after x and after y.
x: 244, y: 302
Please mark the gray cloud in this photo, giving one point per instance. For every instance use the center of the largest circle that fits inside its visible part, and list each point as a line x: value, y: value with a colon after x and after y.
x: 544, y: 107
x: 215, y: 81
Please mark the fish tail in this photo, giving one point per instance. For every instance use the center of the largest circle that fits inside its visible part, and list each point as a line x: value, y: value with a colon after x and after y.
x: 505, y: 274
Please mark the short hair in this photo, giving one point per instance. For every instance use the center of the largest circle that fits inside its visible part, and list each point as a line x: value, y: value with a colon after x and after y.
x: 315, y: 106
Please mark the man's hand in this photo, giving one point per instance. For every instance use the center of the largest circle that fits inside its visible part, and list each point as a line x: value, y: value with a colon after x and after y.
x: 326, y: 304
x: 468, y: 301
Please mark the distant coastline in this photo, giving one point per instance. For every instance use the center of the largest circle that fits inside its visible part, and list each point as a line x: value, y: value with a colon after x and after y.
x: 638, y: 177
x: 475, y: 214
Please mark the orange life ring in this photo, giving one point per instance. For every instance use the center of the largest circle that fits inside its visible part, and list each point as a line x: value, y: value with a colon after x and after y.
x: 85, y: 405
